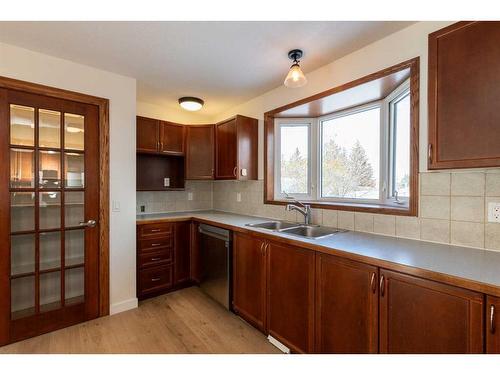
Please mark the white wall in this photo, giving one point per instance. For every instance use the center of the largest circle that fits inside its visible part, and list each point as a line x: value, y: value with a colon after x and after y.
x: 35, y: 67
x: 393, y: 49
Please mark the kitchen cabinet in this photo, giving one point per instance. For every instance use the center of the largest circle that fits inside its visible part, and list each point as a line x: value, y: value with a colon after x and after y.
x: 492, y: 328
x: 147, y: 134
x: 236, y: 149
x: 290, y: 299
x: 422, y: 316
x: 249, y: 279
x: 171, y: 138
x: 163, y: 257
x: 346, y: 306
x: 159, y: 137
x: 182, y: 252
x: 464, y: 130
x: 200, y: 152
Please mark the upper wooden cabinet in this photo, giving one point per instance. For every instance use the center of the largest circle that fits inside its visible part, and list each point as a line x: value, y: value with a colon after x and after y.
x: 236, y: 149
x: 464, y: 76
x: 249, y: 279
x: 163, y: 137
x: 346, y: 306
x: 171, y: 138
x: 200, y: 152
x: 492, y: 327
x: 147, y: 134
x: 290, y: 283
x: 422, y: 316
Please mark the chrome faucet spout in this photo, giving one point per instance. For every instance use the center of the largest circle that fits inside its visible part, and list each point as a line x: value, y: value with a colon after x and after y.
x: 304, y: 209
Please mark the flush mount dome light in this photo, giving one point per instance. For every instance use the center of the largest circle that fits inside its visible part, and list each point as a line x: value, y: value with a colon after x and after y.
x: 295, y: 77
x: 190, y: 103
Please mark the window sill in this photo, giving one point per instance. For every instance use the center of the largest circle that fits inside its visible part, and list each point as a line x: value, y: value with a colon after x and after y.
x: 356, y: 207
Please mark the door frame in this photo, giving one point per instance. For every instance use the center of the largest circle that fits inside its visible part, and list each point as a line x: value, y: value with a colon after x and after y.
x: 103, y: 105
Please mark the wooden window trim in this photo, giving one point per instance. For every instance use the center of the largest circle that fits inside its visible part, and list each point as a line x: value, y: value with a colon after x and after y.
x: 269, y: 138
x: 103, y: 105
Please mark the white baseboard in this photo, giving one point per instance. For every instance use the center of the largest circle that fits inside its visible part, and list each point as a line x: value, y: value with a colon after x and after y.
x: 285, y: 349
x: 123, y: 306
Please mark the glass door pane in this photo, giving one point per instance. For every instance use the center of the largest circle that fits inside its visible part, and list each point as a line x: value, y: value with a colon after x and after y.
x: 50, y: 291
x: 74, y: 285
x: 22, y: 168
x: 22, y: 125
x: 49, y: 129
x: 22, y: 297
x: 49, y: 169
x: 50, y: 210
x: 73, y: 131
x: 22, y: 211
x: 50, y: 250
x: 22, y: 254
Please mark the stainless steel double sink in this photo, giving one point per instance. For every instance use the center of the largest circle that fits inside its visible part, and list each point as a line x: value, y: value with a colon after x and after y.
x: 300, y: 230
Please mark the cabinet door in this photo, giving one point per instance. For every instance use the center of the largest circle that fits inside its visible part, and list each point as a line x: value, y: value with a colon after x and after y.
x: 171, y: 138
x: 182, y: 252
x: 200, y: 152
x: 249, y: 279
x: 195, y: 260
x: 147, y: 134
x: 346, y: 306
x: 290, y: 313
x: 492, y: 328
x: 226, y: 150
x: 422, y: 316
x: 464, y: 130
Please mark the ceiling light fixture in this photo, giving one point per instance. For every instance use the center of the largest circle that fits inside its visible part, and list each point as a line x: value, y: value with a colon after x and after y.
x: 190, y: 103
x: 295, y: 77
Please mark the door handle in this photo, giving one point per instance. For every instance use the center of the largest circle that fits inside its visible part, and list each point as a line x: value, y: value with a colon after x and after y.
x: 155, y: 279
x: 382, y: 285
x: 430, y: 152
x: 89, y: 223
x: 155, y: 259
x: 372, y: 283
x: 492, y: 318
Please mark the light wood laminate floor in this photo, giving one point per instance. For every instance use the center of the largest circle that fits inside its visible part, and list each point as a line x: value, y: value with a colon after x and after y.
x: 185, y: 321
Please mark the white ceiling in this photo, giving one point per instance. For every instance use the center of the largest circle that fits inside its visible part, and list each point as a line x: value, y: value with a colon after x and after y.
x: 224, y: 63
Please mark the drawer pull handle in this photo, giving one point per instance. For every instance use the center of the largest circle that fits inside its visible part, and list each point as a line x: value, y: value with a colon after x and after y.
x: 153, y: 259
x: 382, y: 285
x: 492, y: 318
x: 154, y: 279
x: 156, y: 244
x: 372, y: 283
x: 155, y: 230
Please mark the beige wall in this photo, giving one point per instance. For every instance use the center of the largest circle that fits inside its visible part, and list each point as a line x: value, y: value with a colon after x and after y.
x: 35, y: 67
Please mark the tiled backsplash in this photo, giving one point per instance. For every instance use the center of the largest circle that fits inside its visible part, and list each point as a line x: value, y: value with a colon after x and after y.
x: 166, y: 201
x: 453, y: 207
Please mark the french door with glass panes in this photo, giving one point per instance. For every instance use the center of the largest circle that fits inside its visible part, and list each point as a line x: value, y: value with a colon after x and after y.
x: 49, y: 199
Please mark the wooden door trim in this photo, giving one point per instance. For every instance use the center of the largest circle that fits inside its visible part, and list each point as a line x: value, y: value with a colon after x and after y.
x: 103, y: 106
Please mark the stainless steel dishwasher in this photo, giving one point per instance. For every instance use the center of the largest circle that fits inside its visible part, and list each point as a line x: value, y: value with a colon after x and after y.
x: 215, y: 250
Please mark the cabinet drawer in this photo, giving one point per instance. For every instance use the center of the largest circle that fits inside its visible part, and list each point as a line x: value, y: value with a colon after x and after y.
x: 155, y: 230
x: 155, y: 244
x: 155, y: 279
x: 155, y: 259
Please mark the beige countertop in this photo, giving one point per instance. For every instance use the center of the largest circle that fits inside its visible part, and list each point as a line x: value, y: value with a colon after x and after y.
x: 475, y: 269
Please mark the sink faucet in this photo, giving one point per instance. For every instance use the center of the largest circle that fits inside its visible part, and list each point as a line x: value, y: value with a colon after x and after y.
x: 304, y: 209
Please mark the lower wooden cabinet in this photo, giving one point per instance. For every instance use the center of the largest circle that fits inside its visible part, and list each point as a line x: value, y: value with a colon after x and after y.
x: 346, y: 306
x: 422, y: 316
x: 290, y: 287
x: 249, y: 279
x: 163, y: 257
x: 182, y: 256
x: 492, y: 326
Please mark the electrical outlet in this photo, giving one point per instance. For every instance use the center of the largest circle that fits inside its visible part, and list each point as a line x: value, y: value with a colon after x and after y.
x: 143, y: 208
x: 494, y: 212
x: 238, y: 197
x: 116, y: 206
x: 166, y: 182
x: 190, y: 196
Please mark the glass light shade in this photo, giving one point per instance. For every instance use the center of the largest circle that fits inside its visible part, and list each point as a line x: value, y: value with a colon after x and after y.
x: 191, y: 104
x: 295, y: 77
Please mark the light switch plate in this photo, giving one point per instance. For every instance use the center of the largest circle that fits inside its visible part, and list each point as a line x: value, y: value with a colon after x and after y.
x: 494, y: 212
x: 116, y: 206
x: 244, y: 172
x: 190, y: 196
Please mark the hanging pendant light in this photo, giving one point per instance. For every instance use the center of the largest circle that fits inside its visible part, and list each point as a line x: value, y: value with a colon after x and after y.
x: 295, y: 77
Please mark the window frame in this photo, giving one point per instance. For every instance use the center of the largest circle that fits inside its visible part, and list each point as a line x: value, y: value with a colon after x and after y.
x: 313, y: 106
x: 284, y: 122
